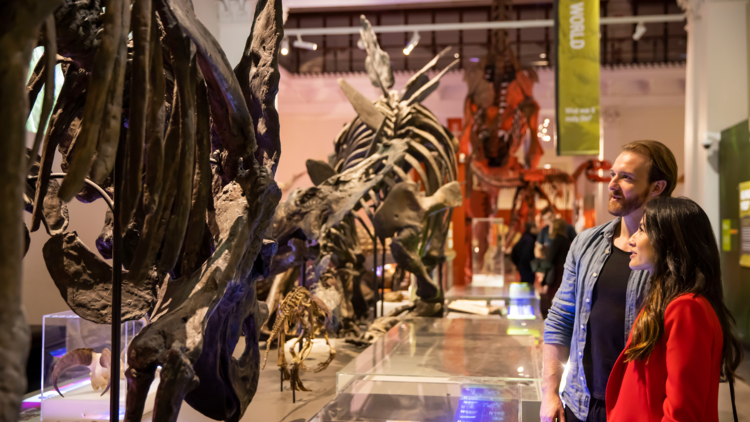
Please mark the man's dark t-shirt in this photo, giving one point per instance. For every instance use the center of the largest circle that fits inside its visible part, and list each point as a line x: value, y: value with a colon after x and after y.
x: 605, y: 331
x: 543, y: 236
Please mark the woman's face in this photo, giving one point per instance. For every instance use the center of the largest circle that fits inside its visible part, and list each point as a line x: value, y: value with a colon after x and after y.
x: 642, y: 254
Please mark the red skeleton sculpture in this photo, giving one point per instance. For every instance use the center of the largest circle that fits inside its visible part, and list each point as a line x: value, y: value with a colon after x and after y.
x: 500, y: 117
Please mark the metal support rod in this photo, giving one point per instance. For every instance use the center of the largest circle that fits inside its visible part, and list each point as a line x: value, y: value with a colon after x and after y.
x: 114, y: 392
x: 281, y: 383
x: 89, y: 182
x: 440, y: 276
x: 382, y: 282
x: 375, y: 269
x: 466, y: 26
x: 303, y: 283
x: 294, y: 389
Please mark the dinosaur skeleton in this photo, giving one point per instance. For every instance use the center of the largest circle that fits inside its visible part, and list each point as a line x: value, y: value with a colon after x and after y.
x: 307, y: 311
x: 501, y: 116
x: 198, y: 144
x: 389, y: 138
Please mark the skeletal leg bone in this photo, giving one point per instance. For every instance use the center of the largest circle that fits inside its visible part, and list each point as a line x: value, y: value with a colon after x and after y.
x: 17, y: 39
x: 177, y: 380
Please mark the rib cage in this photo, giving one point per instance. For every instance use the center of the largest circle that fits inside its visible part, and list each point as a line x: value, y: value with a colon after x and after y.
x: 431, y: 153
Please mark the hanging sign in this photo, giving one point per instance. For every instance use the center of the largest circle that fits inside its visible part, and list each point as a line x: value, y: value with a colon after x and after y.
x: 745, y: 224
x: 577, y: 77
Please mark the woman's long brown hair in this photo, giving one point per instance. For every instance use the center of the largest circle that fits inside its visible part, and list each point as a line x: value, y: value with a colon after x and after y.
x: 686, y: 261
x: 557, y: 228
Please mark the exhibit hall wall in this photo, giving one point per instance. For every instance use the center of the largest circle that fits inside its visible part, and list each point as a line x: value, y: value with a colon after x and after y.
x: 638, y: 102
x: 716, y: 92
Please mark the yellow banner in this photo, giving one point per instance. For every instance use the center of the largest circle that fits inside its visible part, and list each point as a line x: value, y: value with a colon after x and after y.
x: 577, y: 77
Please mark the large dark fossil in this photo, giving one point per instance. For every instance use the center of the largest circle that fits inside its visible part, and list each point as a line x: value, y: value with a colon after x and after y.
x: 164, y: 105
x: 20, y: 24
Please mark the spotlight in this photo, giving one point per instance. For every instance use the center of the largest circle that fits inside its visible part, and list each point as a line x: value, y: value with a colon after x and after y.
x: 284, y: 46
x: 413, y: 43
x: 361, y: 44
x: 304, y: 44
x: 640, y: 29
x: 455, y: 55
x: 543, y: 56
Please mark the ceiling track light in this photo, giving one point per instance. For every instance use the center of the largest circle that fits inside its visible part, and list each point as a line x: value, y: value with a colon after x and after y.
x: 412, y: 43
x: 640, y: 29
x: 284, y: 46
x: 305, y: 45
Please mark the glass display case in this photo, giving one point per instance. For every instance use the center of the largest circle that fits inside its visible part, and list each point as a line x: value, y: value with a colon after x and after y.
x: 376, y: 400
x: 86, y: 374
x: 487, y: 254
x: 505, y: 292
x: 440, y: 350
x: 517, y: 300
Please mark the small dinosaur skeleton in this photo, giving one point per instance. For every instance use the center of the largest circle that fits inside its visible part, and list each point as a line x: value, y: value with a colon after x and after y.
x: 300, y: 309
x: 98, y: 363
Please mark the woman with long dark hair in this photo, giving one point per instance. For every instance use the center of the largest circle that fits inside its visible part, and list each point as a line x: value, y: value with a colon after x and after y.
x: 683, y: 342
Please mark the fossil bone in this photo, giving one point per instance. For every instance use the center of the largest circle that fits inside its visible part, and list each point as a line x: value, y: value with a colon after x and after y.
x: 99, y: 365
x: 311, y: 314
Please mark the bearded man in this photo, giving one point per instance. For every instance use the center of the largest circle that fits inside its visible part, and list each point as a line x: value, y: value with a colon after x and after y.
x: 597, y: 302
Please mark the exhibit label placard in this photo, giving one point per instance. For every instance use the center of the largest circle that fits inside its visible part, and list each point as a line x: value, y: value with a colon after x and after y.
x: 577, y: 77
x: 726, y: 235
x: 745, y: 224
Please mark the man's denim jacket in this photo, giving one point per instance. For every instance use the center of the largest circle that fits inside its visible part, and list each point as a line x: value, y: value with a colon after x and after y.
x: 567, y: 320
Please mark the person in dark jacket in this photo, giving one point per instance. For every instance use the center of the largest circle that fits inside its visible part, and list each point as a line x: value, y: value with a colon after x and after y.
x: 523, y: 253
x: 555, y: 261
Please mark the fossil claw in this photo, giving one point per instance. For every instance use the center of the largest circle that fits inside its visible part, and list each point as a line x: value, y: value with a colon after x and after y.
x: 106, y: 362
x: 75, y: 358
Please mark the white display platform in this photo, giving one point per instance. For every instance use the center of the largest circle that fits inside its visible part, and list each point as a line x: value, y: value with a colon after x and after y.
x: 81, y: 402
x: 388, y: 307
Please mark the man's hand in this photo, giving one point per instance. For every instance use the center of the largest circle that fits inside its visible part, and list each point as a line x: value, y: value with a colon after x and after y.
x: 552, y: 409
x: 554, y: 356
x: 539, y: 250
x: 538, y: 278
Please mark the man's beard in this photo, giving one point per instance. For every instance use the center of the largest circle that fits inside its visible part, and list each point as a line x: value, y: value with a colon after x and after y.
x: 626, y: 206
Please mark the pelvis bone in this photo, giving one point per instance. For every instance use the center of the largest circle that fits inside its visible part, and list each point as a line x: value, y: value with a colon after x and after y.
x: 401, y: 216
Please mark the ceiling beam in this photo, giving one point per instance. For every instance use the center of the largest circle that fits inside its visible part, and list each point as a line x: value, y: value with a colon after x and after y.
x: 465, y: 26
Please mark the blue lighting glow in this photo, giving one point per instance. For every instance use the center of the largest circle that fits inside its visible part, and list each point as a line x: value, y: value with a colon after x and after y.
x: 59, y: 353
x: 521, y: 309
x: 483, y: 404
